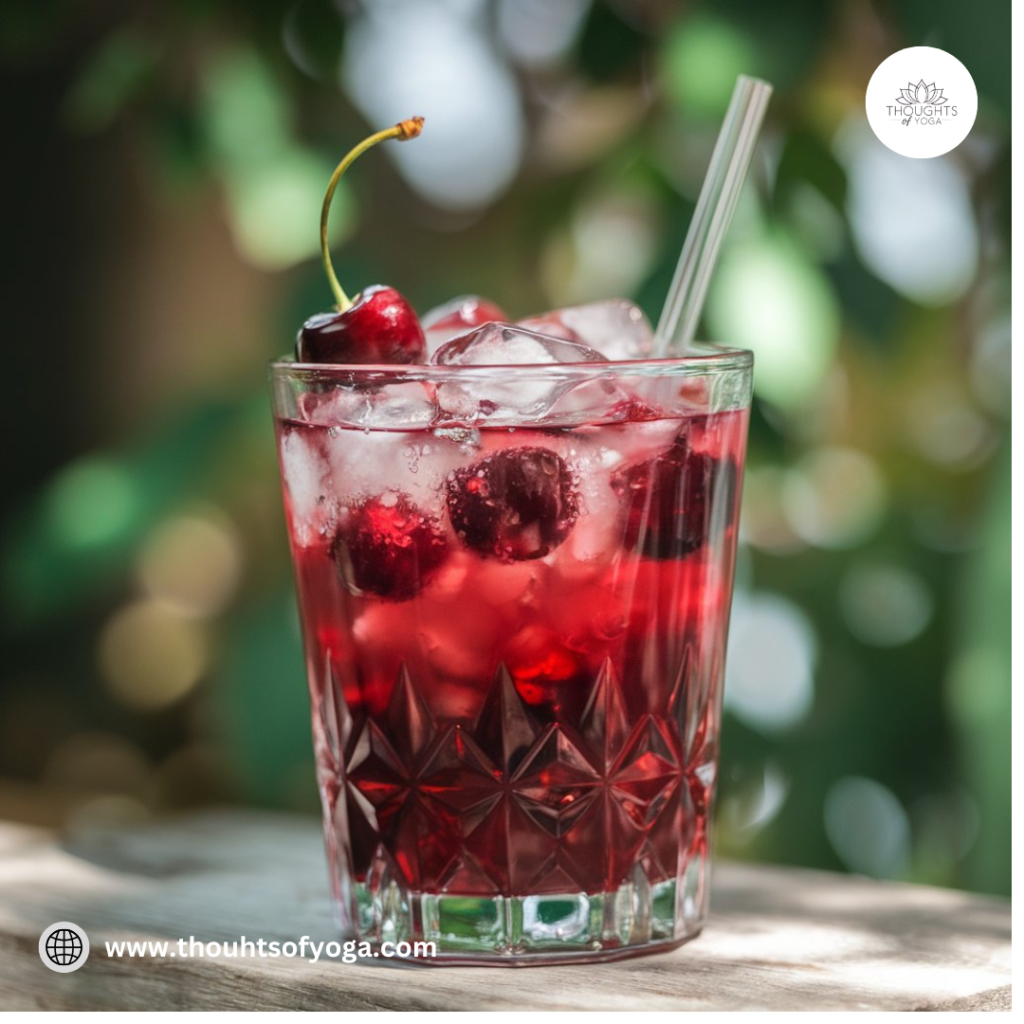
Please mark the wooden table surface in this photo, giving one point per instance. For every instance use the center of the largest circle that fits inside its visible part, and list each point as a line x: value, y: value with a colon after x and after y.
x: 779, y: 938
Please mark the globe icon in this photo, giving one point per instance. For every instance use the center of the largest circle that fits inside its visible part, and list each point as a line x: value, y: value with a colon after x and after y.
x: 64, y: 947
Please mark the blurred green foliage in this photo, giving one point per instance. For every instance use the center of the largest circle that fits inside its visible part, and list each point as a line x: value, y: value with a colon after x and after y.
x: 167, y: 168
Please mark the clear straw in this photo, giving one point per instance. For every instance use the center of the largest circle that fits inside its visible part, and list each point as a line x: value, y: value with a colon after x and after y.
x: 715, y: 205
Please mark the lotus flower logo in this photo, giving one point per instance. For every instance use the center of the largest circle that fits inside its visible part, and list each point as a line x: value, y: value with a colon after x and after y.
x: 921, y: 102
x: 921, y: 94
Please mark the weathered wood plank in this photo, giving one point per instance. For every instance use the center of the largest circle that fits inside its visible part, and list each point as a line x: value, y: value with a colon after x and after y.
x: 778, y: 939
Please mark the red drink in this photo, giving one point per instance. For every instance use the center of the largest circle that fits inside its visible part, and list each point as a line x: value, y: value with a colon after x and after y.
x: 515, y: 638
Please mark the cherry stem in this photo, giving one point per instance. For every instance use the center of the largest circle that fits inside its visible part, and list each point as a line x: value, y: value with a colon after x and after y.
x: 402, y: 131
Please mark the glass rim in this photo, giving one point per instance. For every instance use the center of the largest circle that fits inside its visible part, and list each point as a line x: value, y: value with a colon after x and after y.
x: 707, y: 360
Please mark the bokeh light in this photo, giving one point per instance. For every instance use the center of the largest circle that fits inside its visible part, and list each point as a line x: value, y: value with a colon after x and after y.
x: 947, y: 430
x: 150, y: 656
x: 537, y: 32
x: 834, y: 497
x: 884, y: 605
x: 991, y: 364
x: 868, y: 827
x: 763, y: 522
x: 770, y: 663
x: 92, y: 502
x: 911, y: 219
x: 403, y: 58
x: 192, y: 564
x: 700, y: 62
x: 768, y: 297
x: 608, y: 249
x: 274, y: 186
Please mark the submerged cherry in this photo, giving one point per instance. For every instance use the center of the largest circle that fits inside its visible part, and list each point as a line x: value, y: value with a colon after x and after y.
x: 389, y: 547
x: 514, y: 505
x: 379, y: 325
x: 463, y: 314
x: 668, y: 498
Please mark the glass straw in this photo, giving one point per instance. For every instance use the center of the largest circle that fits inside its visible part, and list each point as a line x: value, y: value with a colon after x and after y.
x: 715, y: 205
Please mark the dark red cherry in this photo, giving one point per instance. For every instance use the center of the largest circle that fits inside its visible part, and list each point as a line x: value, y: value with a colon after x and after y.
x: 379, y: 327
x: 389, y: 547
x: 514, y: 505
x: 464, y: 313
x: 667, y: 500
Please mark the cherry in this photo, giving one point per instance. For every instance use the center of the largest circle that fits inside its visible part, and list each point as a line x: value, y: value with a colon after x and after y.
x: 464, y: 313
x: 379, y: 326
x: 667, y: 499
x: 514, y: 505
x: 388, y: 547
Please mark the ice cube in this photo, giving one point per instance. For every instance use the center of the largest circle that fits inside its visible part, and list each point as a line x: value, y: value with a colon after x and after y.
x: 515, y: 396
x: 457, y: 317
x: 408, y: 405
x: 306, y: 471
x: 501, y: 344
x: 617, y: 328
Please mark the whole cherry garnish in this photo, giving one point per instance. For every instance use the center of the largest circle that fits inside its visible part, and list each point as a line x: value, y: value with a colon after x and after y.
x: 378, y: 325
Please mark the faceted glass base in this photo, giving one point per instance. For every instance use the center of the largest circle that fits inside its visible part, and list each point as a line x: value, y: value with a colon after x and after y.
x: 518, y: 931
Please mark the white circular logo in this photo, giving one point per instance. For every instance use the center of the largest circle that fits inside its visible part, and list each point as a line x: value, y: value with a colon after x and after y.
x: 921, y: 102
x: 64, y: 947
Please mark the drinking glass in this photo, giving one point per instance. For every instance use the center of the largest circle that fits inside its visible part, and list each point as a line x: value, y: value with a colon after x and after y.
x: 514, y: 586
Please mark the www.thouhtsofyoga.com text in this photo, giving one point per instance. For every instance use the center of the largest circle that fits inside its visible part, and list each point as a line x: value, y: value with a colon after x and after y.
x: 348, y: 952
